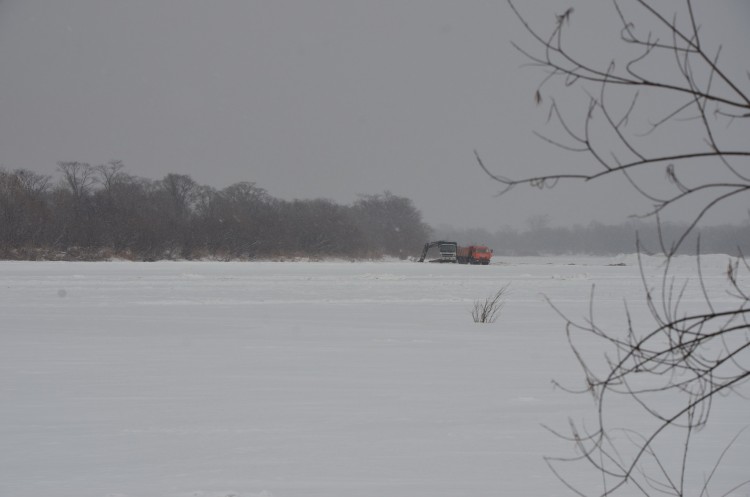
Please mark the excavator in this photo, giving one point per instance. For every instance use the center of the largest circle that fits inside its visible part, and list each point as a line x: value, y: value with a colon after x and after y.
x: 447, y: 250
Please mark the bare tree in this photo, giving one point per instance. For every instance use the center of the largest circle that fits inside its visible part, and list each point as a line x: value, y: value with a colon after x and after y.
x: 78, y: 177
x: 23, y: 210
x: 692, y: 354
x: 392, y: 224
x: 31, y: 182
x: 181, y: 191
x: 109, y: 174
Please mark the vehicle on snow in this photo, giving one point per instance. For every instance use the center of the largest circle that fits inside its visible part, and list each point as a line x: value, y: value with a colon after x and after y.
x: 451, y: 252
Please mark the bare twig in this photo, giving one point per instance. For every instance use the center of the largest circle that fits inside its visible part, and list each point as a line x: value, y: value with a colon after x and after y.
x: 488, y: 310
x: 693, y: 352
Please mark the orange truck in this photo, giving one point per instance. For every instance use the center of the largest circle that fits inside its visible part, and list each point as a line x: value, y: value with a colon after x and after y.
x: 473, y: 254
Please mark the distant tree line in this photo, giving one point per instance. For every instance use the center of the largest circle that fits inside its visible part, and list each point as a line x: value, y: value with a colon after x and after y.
x: 599, y: 239
x: 96, y: 212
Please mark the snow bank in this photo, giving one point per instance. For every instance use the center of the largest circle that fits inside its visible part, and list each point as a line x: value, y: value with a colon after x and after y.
x: 190, y: 379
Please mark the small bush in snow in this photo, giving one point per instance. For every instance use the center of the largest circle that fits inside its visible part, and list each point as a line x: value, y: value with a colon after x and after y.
x: 488, y: 310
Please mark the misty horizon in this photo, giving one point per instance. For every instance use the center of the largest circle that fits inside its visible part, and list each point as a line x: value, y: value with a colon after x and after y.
x: 531, y: 223
x: 101, y: 212
x: 323, y: 99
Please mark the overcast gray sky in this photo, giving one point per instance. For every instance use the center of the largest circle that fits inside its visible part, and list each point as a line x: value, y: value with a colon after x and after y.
x: 315, y: 98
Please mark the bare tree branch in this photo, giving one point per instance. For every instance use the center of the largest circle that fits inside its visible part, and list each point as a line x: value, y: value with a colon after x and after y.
x: 692, y: 353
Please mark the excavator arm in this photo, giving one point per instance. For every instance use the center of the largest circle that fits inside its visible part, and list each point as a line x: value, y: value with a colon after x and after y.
x: 427, y: 246
x: 443, y: 258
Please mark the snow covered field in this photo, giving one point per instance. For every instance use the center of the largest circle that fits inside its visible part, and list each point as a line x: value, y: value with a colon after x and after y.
x: 330, y: 379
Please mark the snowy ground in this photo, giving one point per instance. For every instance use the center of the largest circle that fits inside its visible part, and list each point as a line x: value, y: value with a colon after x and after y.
x: 340, y: 379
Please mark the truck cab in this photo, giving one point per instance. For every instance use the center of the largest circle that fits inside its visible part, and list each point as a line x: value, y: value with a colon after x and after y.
x: 448, y: 251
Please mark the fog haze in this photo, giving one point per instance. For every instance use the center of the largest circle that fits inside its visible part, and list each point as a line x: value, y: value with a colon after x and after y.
x: 330, y: 98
